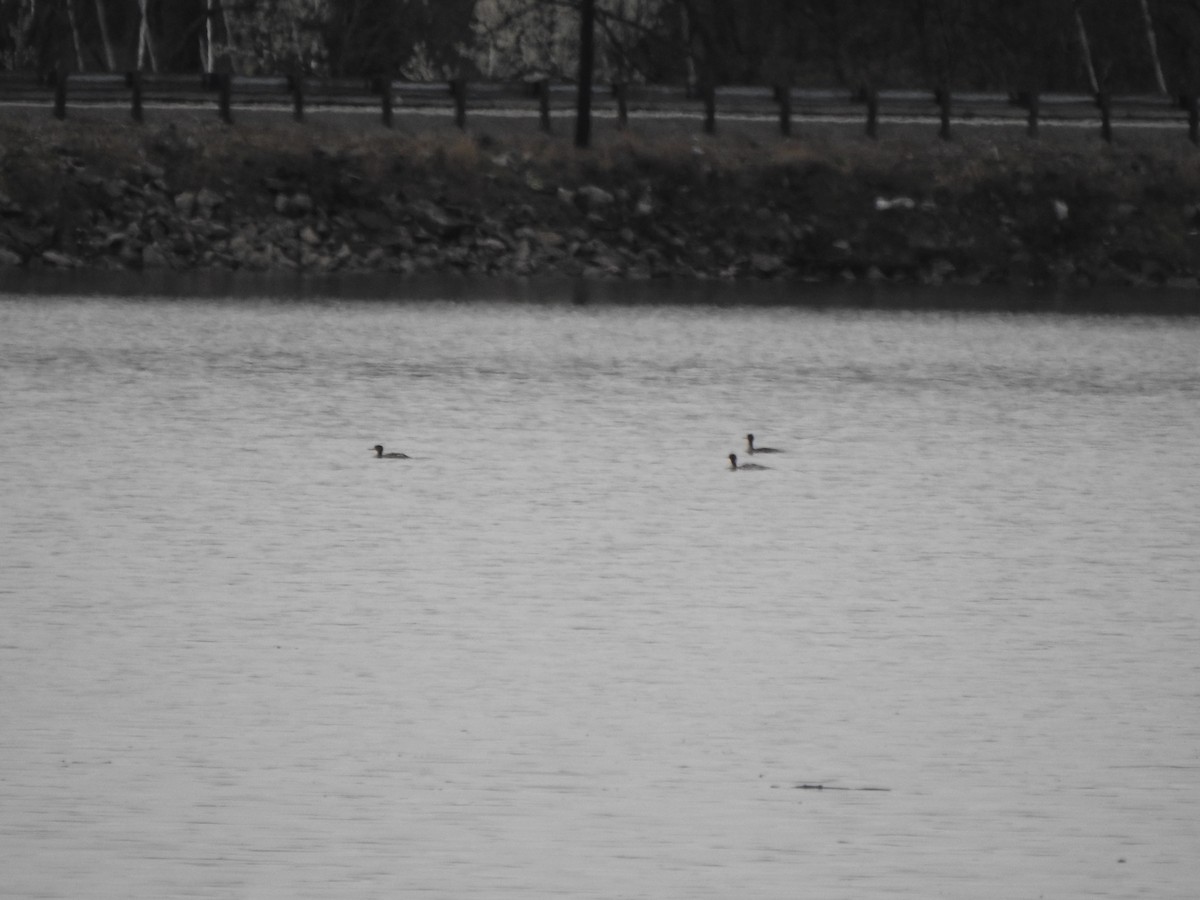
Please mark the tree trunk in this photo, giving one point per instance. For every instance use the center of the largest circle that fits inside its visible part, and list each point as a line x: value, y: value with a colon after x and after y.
x: 145, y: 45
x: 208, y: 37
x: 587, y: 56
x: 1086, y: 48
x: 230, y: 40
x: 1152, y: 41
x: 685, y: 26
x: 75, y: 35
x: 110, y: 56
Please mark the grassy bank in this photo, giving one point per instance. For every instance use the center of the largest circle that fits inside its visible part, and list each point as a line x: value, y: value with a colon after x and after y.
x: 662, y: 203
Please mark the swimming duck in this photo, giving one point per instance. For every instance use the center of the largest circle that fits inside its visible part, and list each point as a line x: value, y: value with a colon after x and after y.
x: 751, y: 449
x: 733, y: 464
x: 379, y: 454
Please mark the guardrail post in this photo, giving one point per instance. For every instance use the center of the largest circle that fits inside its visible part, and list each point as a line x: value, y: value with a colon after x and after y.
x: 1031, y: 123
x: 621, y: 91
x: 543, y: 93
x: 872, y: 113
x: 709, y: 91
x: 134, y: 81
x: 458, y: 87
x: 225, y: 96
x: 783, y: 93
x: 296, y: 86
x: 60, y: 93
x: 943, y: 100
x: 385, y: 100
x: 1104, y: 101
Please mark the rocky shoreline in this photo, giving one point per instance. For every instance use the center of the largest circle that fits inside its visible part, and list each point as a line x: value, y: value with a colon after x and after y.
x: 199, y: 198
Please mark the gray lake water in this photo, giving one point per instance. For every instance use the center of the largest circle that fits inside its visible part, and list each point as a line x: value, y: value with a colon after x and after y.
x: 564, y: 651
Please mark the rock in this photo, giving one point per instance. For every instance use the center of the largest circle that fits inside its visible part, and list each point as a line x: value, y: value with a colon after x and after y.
x: 1061, y: 211
x: 491, y: 245
x: 439, y: 221
x: 882, y: 204
x: 566, y: 196
x: 765, y: 264
x: 28, y: 238
x: 595, y: 196
x: 309, y: 236
x: 208, y: 200
x: 9, y: 259
x: 296, y: 205
x: 185, y: 204
x: 154, y: 257
x: 372, y: 220
x: 60, y: 260
x: 940, y: 269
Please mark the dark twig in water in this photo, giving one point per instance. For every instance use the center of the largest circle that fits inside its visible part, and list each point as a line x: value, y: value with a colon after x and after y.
x: 830, y: 787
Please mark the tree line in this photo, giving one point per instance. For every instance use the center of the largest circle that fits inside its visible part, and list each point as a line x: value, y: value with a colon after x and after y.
x: 1013, y: 45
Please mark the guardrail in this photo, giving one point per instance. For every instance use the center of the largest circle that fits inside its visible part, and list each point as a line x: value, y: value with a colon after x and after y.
x: 457, y: 98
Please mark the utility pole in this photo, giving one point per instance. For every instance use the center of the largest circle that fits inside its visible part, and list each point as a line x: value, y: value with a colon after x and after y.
x: 587, y: 56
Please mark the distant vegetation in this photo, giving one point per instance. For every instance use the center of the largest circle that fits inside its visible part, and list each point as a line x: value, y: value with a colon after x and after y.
x: 1011, y: 45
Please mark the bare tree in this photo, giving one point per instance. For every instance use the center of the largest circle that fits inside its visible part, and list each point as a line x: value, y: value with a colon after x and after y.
x: 1152, y: 43
x: 587, y: 58
x: 1085, y: 47
x: 145, y: 44
x: 110, y: 57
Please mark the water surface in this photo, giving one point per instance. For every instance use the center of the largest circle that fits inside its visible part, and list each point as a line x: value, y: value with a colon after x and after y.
x: 564, y: 651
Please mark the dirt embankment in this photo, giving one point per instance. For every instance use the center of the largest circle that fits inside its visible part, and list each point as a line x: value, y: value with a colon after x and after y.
x: 193, y: 196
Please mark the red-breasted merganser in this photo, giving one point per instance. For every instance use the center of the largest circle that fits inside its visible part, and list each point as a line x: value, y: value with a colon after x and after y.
x: 379, y: 454
x: 733, y: 464
x: 751, y: 449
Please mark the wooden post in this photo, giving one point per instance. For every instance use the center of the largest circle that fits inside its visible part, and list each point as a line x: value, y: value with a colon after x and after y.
x: 943, y: 98
x: 385, y: 99
x: 872, y: 113
x: 296, y: 86
x: 225, y: 96
x: 543, y: 93
x: 1031, y: 126
x: 458, y: 87
x: 710, y: 107
x: 621, y: 90
x: 783, y: 93
x: 60, y: 92
x: 134, y: 80
x: 1104, y: 101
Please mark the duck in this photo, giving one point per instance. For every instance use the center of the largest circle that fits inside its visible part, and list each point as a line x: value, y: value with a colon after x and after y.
x: 751, y: 449
x: 379, y: 454
x: 734, y: 467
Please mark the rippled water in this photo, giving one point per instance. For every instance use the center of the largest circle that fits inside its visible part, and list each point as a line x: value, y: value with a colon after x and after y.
x: 564, y: 651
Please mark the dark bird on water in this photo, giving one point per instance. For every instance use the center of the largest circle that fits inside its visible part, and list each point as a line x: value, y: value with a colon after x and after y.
x: 733, y: 464
x: 379, y: 454
x: 751, y: 449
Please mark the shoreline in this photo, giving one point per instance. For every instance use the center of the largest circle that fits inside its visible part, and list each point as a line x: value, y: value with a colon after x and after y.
x: 235, y: 287
x: 194, y: 198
